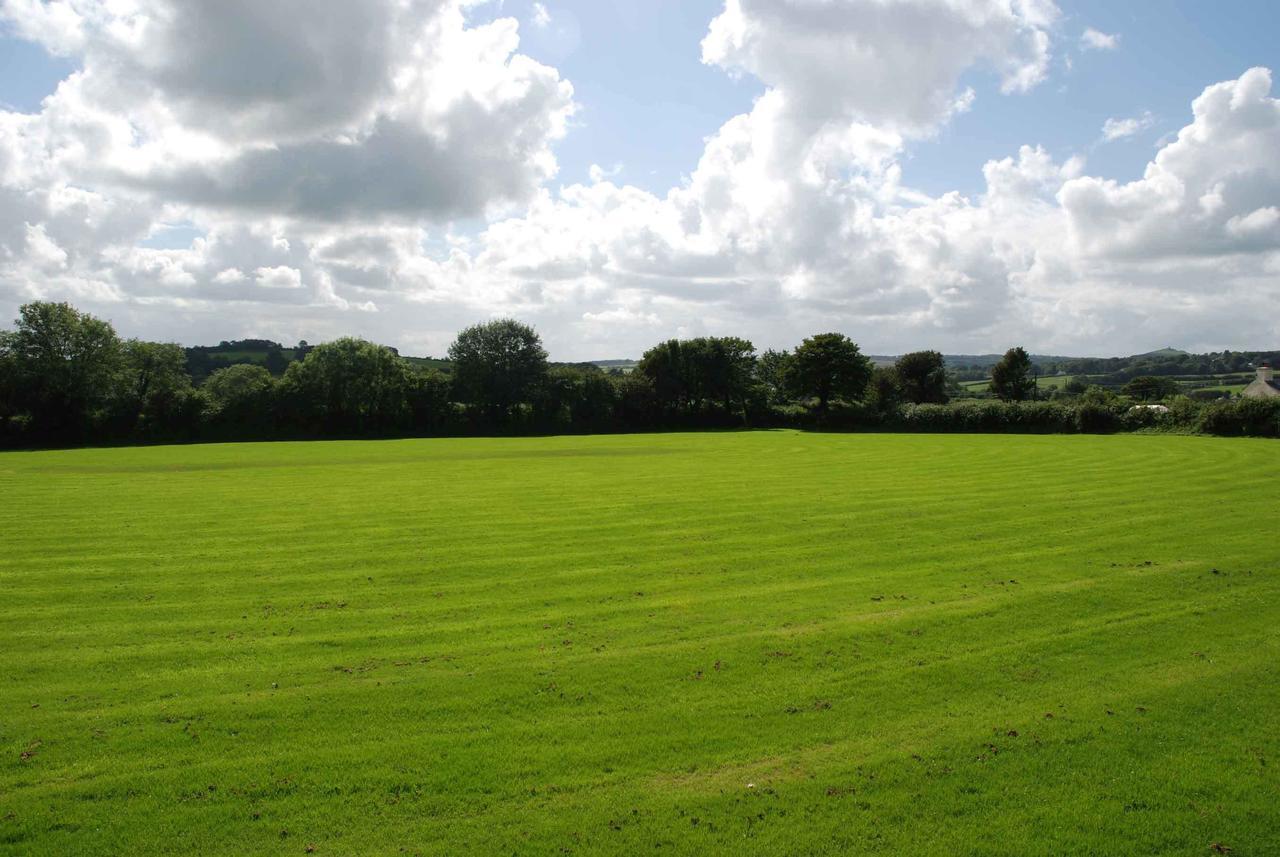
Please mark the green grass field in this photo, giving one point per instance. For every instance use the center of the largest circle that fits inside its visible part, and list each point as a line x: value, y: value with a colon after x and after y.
x: 745, y: 643
x: 1230, y: 383
x: 1044, y: 384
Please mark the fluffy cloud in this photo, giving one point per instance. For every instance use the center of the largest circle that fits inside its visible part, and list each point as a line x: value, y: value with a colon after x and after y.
x: 331, y: 189
x: 1117, y: 129
x: 1096, y: 40
x: 893, y: 65
x: 1195, y: 198
x: 311, y: 110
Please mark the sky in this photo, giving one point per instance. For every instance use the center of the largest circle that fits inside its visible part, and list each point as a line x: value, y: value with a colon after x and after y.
x: 1084, y: 177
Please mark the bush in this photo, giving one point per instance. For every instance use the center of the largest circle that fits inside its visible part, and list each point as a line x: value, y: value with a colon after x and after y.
x: 1184, y: 411
x: 1093, y: 418
x: 989, y: 416
x: 1242, y: 417
x: 1139, y: 418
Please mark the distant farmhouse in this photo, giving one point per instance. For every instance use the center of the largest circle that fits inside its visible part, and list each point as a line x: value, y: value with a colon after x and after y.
x: 1264, y: 386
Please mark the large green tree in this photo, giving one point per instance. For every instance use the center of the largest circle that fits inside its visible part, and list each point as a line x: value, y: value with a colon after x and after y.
x: 429, y: 401
x: 498, y: 365
x: 8, y: 378
x: 155, y: 393
x: 725, y: 366
x: 922, y: 377
x: 66, y: 367
x: 666, y: 368
x: 580, y: 397
x: 1011, y: 378
x: 829, y: 366
x: 348, y: 385
x: 771, y: 374
x: 884, y: 390
x: 692, y: 373
x: 239, y: 398
x: 1149, y: 388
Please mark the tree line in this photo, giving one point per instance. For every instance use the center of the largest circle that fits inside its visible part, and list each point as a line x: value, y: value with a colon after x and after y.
x: 67, y: 377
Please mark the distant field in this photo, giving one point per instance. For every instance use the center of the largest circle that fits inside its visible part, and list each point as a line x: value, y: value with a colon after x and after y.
x: 1233, y: 383
x: 1045, y: 383
x: 744, y: 643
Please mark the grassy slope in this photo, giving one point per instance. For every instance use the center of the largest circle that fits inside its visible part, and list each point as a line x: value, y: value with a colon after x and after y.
x: 1233, y: 382
x: 738, y: 643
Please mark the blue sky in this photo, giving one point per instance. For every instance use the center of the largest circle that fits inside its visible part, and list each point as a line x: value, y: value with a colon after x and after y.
x: 245, y: 195
x: 649, y: 101
x: 27, y: 72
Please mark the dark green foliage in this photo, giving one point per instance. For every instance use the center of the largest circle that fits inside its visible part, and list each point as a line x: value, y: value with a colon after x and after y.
x: 637, y: 405
x: 1115, y: 371
x: 1252, y: 417
x: 155, y: 397
x: 576, y: 398
x: 1011, y: 378
x: 65, y: 367
x: 203, y: 361
x: 884, y: 391
x: 724, y: 368
x: 8, y: 382
x: 771, y: 374
x: 988, y: 416
x: 694, y: 374
x: 1095, y: 418
x: 348, y: 386
x: 240, y: 400
x: 1151, y: 388
x: 1209, y: 395
x: 1095, y: 395
x: 922, y: 377
x: 497, y: 366
x: 829, y: 366
x: 431, y: 410
x: 66, y: 377
x: 664, y: 366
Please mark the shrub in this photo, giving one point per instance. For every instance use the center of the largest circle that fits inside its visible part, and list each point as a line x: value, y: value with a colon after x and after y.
x: 1138, y: 418
x: 986, y: 416
x: 1093, y: 418
x: 1248, y: 417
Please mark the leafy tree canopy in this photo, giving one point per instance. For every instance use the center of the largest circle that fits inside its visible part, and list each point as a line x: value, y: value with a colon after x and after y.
x: 922, y: 377
x: 1151, y: 388
x: 1011, y: 378
x: 829, y: 366
x: 498, y: 365
x: 349, y: 385
x: 65, y: 364
x: 771, y: 374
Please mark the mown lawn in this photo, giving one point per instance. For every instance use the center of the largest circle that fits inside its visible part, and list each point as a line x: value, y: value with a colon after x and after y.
x: 749, y: 643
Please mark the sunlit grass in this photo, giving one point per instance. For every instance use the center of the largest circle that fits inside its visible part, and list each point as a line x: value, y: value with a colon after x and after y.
x: 720, y: 643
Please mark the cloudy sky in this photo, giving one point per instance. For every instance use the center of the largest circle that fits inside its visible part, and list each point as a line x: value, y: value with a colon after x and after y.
x: 1082, y: 178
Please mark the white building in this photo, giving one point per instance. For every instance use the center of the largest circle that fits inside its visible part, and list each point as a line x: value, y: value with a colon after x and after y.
x: 1264, y: 386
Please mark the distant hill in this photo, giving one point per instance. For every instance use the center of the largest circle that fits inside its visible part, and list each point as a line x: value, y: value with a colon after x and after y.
x: 1164, y: 352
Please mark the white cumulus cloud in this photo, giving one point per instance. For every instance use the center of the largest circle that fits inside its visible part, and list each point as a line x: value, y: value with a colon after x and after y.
x: 1118, y: 129
x: 1096, y: 40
